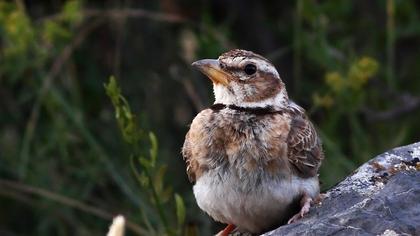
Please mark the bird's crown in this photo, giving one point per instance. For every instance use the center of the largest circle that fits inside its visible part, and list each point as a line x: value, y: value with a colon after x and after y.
x: 250, y: 63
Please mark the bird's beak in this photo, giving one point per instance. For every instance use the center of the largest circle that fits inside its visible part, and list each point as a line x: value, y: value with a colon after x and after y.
x: 211, y: 68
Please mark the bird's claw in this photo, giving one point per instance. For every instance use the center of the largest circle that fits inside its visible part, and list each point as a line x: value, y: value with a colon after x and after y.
x: 306, y: 205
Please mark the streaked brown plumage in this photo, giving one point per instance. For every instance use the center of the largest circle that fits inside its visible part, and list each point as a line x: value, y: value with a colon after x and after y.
x: 254, y: 154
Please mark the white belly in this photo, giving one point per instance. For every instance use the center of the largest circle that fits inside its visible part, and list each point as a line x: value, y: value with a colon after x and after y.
x: 251, y: 207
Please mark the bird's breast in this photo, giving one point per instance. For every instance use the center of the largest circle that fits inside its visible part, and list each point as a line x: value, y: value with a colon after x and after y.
x: 241, y: 143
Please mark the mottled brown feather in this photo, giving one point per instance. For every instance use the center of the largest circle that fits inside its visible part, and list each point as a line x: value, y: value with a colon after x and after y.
x: 304, y: 146
x: 241, y: 53
x: 264, y: 85
x: 213, y: 138
x: 187, y: 155
x: 238, y: 140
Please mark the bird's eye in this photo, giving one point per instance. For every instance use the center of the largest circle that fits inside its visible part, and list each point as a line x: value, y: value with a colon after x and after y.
x: 250, y: 69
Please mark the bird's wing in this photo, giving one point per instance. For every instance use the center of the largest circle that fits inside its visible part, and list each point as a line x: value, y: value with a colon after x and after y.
x: 187, y: 155
x: 196, y: 145
x: 304, y: 146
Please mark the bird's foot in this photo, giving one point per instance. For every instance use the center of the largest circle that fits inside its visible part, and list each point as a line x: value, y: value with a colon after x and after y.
x: 226, y: 231
x: 305, y: 204
x: 318, y: 200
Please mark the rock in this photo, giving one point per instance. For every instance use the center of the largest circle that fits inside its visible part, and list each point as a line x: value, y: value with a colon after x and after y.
x: 382, y: 197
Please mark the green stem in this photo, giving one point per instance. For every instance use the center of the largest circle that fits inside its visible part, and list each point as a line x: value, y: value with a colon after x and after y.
x: 158, y: 203
x: 153, y: 191
x: 91, y: 141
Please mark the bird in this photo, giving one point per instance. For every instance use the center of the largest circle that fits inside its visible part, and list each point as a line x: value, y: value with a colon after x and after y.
x: 253, y: 156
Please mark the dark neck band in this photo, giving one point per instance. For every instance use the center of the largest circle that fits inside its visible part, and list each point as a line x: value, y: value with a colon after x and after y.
x: 251, y: 110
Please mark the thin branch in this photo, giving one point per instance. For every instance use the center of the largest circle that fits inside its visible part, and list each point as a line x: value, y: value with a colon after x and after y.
x: 70, y: 202
x: 126, y: 13
x: 45, y: 88
x: 21, y: 5
x: 407, y: 104
x: 46, y: 84
x: 193, y: 95
x: 136, y: 13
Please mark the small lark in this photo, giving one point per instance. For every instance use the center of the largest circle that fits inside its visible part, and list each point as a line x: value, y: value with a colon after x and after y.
x: 253, y: 156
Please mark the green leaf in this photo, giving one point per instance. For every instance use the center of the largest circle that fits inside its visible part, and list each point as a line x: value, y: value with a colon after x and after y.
x: 145, y: 162
x: 53, y: 32
x: 113, y: 90
x: 166, y: 194
x: 180, y: 209
x: 153, y: 148
x: 158, y: 179
x: 144, y: 180
x: 72, y: 12
x: 125, y: 118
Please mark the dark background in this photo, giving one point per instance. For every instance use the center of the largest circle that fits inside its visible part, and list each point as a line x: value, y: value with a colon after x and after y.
x: 64, y: 166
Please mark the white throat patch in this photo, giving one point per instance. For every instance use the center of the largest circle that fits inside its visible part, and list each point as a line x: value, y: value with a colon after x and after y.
x: 224, y: 96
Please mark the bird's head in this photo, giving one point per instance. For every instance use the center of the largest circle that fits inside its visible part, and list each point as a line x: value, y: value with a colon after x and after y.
x: 245, y: 79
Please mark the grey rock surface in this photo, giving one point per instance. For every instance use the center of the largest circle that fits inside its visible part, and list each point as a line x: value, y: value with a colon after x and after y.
x: 382, y: 197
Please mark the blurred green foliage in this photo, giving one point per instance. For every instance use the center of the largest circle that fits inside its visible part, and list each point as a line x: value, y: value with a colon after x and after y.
x: 149, y: 174
x: 67, y: 165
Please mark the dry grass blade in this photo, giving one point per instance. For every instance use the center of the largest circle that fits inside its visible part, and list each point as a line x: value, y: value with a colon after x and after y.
x: 67, y: 201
